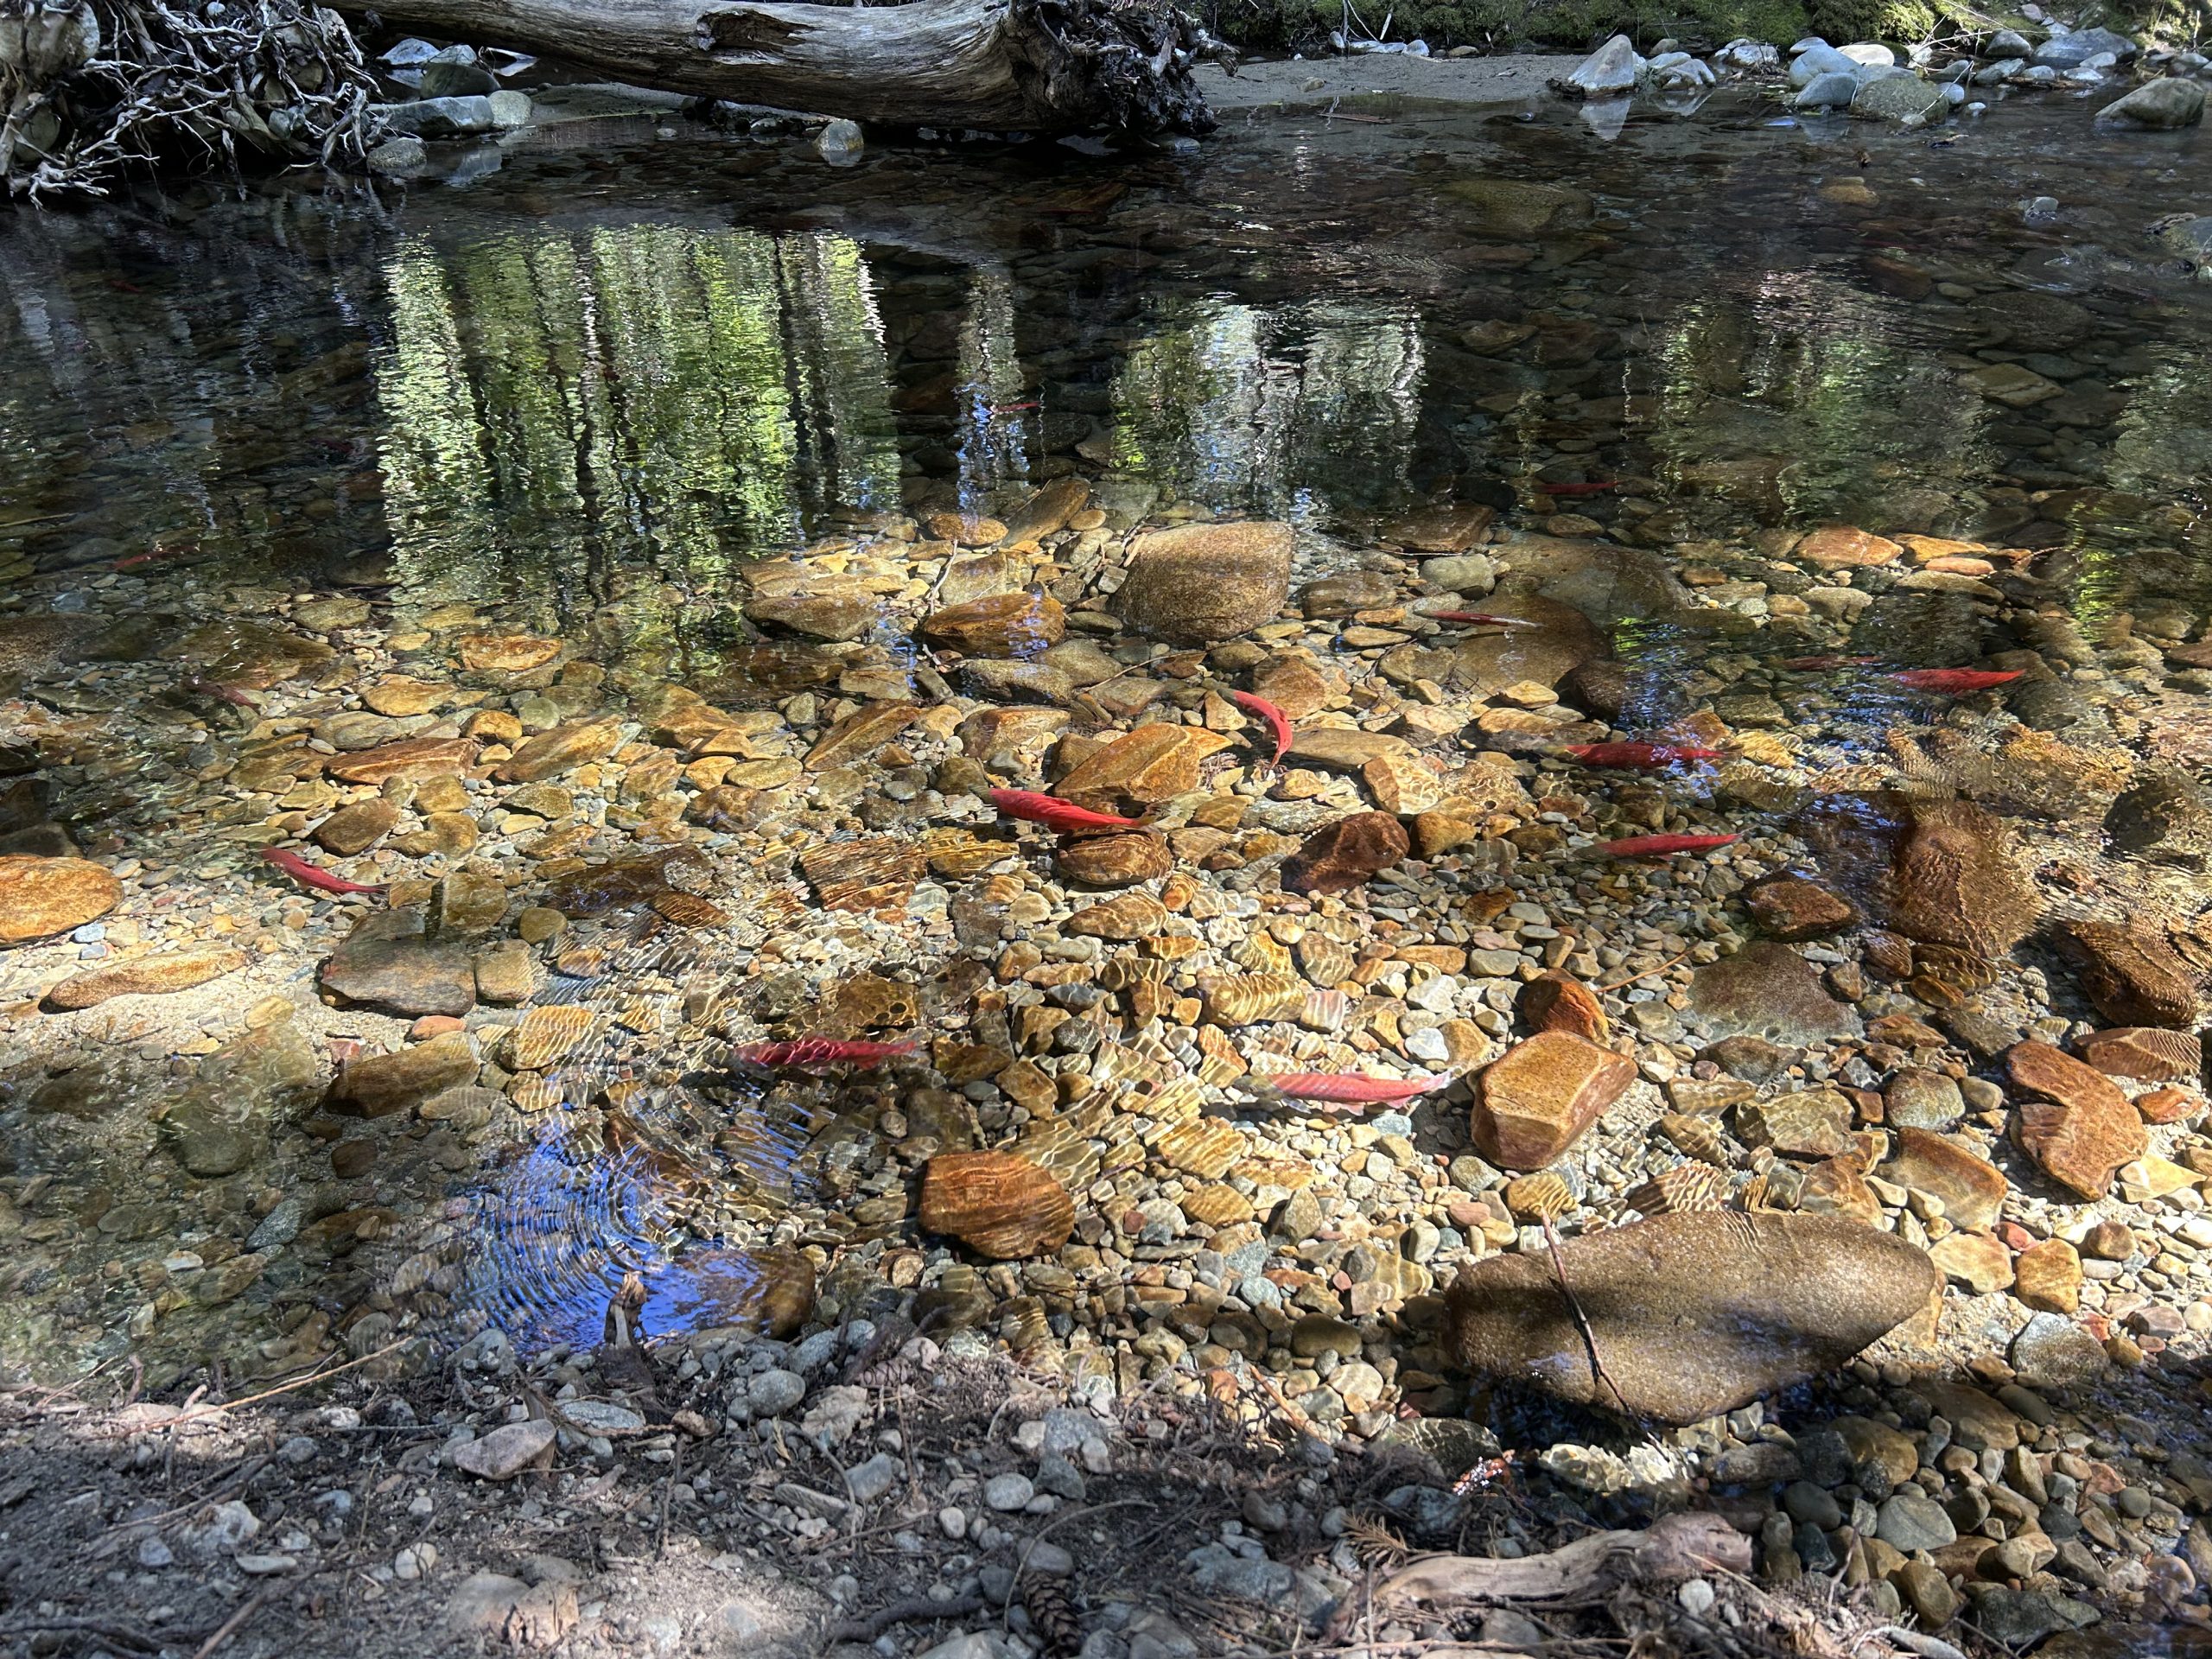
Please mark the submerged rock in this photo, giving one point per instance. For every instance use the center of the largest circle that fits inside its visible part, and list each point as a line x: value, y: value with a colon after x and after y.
x: 1196, y: 584
x: 1690, y: 1315
x: 2077, y: 1125
x: 1537, y: 1100
x: 1768, y: 990
x: 41, y: 897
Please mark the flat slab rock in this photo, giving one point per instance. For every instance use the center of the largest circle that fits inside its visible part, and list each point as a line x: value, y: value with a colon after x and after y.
x: 1692, y: 1315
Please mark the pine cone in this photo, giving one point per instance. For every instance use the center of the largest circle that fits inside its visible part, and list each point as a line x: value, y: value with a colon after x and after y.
x: 1051, y: 1614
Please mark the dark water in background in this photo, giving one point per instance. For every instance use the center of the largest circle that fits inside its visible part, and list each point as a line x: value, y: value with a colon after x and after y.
x: 579, y: 392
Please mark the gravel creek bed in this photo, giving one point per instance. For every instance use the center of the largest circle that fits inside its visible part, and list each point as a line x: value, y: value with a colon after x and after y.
x: 1059, y: 1312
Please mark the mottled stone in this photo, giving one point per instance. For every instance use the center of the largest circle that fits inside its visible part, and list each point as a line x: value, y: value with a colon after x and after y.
x: 411, y: 760
x: 1807, y: 1123
x: 2130, y: 974
x: 1768, y: 990
x: 2146, y: 1053
x: 551, y: 754
x: 41, y: 897
x: 1115, y: 860
x: 1536, y: 1099
x: 1977, y: 1261
x: 1559, y: 1002
x: 1345, y: 854
x: 1124, y: 917
x: 1792, y: 909
x: 378, y: 1085
x: 1002, y: 625
x: 1972, y: 1188
x: 998, y: 1204
x: 2077, y: 1125
x: 156, y: 975
x: 1917, y: 1099
x: 1199, y: 583
x: 355, y: 828
x: 2047, y: 1276
x: 1690, y: 1315
x: 1841, y: 546
x: 1940, y: 871
x: 1140, y: 768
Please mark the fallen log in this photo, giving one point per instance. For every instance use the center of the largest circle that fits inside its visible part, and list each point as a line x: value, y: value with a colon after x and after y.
x: 1025, y: 66
x: 1673, y: 1548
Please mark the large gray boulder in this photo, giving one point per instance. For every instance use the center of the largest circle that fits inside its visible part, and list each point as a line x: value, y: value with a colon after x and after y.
x: 2071, y: 51
x: 1901, y: 98
x: 1690, y: 1315
x: 2156, y: 107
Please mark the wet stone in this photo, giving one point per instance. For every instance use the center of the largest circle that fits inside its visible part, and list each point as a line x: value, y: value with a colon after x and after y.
x: 1538, y: 1099
x: 41, y: 897
x: 1345, y: 854
x: 1199, y: 583
x: 2076, y: 1122
x: 1792, y: 909
x: 378, y: 1085
x: 1768, y: 990
x: 388, y: 962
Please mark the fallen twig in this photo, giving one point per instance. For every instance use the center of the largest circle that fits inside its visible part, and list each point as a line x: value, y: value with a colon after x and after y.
x: 255, y: 1399
x: 1582, y: 1319
x: 129, y: 1636
x: 1623, y: 984
x: 231, y: 1626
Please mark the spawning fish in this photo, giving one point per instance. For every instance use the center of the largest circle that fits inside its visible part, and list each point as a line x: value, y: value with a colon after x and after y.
x: 201, y: 686
x: 1825, y: 660
x: 1278, y: 722
x: 1056, y: 815
x: 1956, y: 682
x: 1639, y: 757
x: 1659, y: 846
x: 1350, y: 1088
x: 1493, y: 620
x: 1014, y: 408
x: 140, y: 560
x: 315, y: 875
x: 825, y: 1050
x: 1598, y: 487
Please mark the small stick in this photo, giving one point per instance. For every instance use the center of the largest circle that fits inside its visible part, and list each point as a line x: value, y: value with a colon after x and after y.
x: 1582, y: 1319
x: 231, y: 1626
x: 1622, y: 984
x: 268, y: 1394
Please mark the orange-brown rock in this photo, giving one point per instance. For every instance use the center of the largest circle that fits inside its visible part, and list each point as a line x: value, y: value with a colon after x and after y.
x: 357, y: 827
x: 1790, y: 908
x: 1345, y: 854
x: 1140, y: 769
x: 41, y: 897
x: 1115, y: 860
x: 1539, y: 1095
x: 874, y: 873
x: 1941, y: 872
x: 1970, y: 1187
x: 1689, y: 1315
x: 378, y: 1085
x: 1001, y: 625
x: 1441, y: 530
x: 506, y: 653
x: 412, y: 759
x: 860, y: 734
x: 1837, y: 1187
x: 2130, y: 974
x: 2078, y: 1125
x: 561, y: 750
x: 2047, y: 1276
x: 2146, y: 1053
x: 1295, y: 686
x: 1124, y: 917
x: 1836, y: 546
x: 1199, y: 583
x: 177, y: 970
x: 2169, y: 1105
x: 1556, y: 1002
x: 998, y: 1204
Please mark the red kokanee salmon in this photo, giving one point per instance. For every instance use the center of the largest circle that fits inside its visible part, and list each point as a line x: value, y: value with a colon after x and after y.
x: 1052, y: 812
x: 1660, y: 846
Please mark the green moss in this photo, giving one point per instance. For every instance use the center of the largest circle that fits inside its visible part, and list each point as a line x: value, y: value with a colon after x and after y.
x: 1569, y: 25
